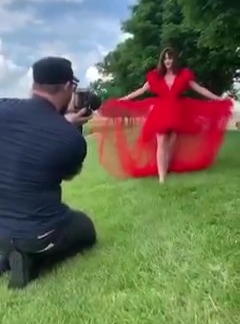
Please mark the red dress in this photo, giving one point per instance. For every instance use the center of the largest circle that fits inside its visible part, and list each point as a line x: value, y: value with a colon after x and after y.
x: 127, y: 141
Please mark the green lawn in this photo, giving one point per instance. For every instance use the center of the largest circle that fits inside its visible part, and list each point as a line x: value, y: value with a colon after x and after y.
x: 166, y: 254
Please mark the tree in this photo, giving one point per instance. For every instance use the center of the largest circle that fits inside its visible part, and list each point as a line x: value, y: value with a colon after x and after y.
x: 105, y: 89
x: 131, y: 59
x: 218, y: 21
x: 219, y: 25
x: 155, y: 24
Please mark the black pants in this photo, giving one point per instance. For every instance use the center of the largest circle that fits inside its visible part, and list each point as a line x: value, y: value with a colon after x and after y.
x: 58, y: 244
x: 80, y: 128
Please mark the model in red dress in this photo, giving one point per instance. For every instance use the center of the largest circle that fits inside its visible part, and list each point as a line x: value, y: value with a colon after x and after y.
x: 171, y: 132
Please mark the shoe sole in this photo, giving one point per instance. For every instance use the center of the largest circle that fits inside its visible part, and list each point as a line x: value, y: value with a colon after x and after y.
x: 4, y: 266
x: 20, y: 265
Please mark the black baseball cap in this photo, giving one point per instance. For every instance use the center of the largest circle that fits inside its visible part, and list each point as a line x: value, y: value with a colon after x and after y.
x: 53, y: 70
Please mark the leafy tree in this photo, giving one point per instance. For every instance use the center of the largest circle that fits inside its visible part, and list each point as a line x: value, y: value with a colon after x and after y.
x: 155, y: 24
x: 219, y: 25
x: 105, y: 89
x: 218, y: 21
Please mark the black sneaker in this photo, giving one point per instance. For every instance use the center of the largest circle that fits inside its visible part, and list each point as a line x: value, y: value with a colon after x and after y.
x: 4, y: 264
x: 22, y: 270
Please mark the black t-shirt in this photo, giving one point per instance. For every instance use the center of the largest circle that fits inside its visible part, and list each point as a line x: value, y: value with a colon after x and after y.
x: 38, y: 149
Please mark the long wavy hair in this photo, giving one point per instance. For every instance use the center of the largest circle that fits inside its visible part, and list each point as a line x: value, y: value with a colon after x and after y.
x: 173, y: 55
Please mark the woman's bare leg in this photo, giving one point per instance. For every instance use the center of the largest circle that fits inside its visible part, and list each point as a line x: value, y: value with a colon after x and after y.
x: 171, y: 140
x: 161, y: 157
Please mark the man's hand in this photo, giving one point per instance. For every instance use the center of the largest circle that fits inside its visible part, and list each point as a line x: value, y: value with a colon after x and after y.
x: 71, y: 107
x: 77, y: 118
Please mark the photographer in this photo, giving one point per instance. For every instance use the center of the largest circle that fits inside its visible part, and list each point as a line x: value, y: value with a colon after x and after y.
x: 41, y: 147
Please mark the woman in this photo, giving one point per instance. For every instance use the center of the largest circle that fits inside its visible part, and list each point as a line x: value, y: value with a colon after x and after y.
x: 176, y: 133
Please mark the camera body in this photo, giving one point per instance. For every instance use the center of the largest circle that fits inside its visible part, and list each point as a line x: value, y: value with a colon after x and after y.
x: 85, y: 98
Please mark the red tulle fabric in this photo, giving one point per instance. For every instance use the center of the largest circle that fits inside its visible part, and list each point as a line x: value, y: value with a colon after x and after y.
x: 127, y: 138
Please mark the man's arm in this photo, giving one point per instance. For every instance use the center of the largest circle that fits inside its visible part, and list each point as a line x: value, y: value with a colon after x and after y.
x: 76, y: 154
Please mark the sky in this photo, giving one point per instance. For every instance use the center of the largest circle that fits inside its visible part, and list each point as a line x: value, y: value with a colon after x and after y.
x: 82, y: 30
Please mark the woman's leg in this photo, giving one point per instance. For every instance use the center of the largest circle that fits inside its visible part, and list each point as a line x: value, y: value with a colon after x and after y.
x: 161, y: 157
x: 171, y: 141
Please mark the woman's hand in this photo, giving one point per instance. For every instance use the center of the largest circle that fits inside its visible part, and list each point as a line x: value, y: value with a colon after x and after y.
x: 229, y: 99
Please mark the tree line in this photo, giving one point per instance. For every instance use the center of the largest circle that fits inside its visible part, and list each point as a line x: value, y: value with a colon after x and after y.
x: 206, y: 34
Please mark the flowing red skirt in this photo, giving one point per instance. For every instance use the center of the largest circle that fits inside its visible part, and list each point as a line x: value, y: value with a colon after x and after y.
x: 127, y: 139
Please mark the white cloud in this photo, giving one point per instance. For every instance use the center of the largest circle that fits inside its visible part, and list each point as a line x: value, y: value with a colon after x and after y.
x: 85, y: 42
x: 12, y: 20
x: 8, y: 2
x: 92, y: 74
x: 15, y: 80
x: 8, y: 70
x: 61, y: 1
x: 81, y: 60
x: 11, y: 75
x: 124, y: 36
x: 23, y: 87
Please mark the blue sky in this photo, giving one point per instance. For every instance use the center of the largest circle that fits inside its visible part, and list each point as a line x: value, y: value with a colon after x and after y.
x: 82, y: 30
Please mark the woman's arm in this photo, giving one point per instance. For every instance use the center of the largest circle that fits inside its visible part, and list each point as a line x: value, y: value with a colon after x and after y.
x: 137, y: 92
x: 203, y: 91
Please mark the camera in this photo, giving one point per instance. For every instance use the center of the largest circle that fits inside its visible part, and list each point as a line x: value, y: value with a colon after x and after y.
x: 85, y: 98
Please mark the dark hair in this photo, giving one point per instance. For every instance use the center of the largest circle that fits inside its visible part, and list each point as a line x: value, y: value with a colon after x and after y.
x: 173, y: 55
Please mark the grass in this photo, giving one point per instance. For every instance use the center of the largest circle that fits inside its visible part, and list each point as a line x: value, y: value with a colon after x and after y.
x: 166, y: 254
